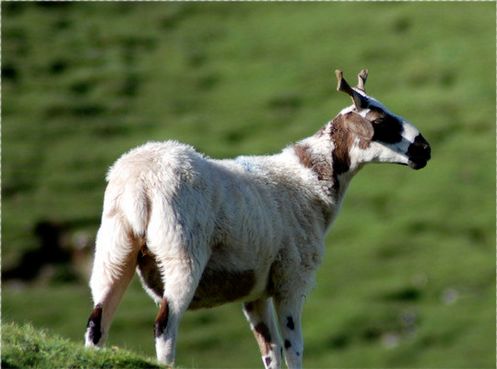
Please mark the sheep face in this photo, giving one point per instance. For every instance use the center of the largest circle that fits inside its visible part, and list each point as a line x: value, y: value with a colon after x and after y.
x: 374, y: 134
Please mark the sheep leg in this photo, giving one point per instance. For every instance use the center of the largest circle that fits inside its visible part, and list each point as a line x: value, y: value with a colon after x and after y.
x: 113, y: 269
x: 260, y: 315
x: 289, y: 311
x: 183, y: 277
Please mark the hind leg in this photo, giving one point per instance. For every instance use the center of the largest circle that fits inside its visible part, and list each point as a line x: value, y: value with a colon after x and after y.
x: 181, y: 268
x: 182, y: 281
x: 113, y: 269
x: 260, y: 315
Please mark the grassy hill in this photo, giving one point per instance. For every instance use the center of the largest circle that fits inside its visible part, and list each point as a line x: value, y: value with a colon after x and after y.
x: 408, y: 278
x: 26, y: 347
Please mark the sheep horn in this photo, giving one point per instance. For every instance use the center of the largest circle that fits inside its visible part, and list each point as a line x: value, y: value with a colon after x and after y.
x: 343, y: 86
x: 361, y: 79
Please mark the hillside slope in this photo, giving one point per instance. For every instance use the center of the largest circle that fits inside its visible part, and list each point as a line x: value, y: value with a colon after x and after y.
x: 25, y: 347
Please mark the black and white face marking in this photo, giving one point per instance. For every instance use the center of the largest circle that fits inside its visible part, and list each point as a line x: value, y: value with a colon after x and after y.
x: 394, y: 140
x: 387, y: 128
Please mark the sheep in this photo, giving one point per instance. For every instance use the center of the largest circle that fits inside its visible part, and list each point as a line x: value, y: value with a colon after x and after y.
x: 202, y: 232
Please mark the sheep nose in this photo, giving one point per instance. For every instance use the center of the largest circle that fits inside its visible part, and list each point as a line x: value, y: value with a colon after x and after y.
x: 421, y: 141
x: 419, y: 152
x: 421, y: 147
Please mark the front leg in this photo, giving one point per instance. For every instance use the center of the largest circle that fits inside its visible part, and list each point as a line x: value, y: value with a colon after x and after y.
x: 260, y: 315
x: 289, y: 312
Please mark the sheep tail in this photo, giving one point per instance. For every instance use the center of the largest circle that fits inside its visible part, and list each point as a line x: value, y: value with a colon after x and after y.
x: 135, y: 205
x: 126, y: 196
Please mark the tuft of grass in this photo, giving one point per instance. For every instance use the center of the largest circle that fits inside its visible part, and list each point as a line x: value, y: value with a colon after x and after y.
x: 25, y: 347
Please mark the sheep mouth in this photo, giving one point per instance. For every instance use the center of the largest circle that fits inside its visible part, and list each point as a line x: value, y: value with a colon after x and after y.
x: 418, y: 159
x: 417, y: 163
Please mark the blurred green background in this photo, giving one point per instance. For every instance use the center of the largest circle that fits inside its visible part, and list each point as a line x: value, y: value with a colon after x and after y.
x: 408, y: 278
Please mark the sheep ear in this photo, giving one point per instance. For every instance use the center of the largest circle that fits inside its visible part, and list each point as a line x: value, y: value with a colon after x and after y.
x: 359, y: 101
x: 358, y: 125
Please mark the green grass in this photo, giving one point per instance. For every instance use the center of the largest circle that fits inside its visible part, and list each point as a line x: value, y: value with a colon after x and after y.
x: 26, y: 347
x: 408, y: 278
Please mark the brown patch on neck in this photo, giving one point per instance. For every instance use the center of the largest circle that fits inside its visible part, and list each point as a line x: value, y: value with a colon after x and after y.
x: 342, y: 140
x: 344, y: 130
x: 304, y: 155
x: 318, y: 165
x: 323, y: 172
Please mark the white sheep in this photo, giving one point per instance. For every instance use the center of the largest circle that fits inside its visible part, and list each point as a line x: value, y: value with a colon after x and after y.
x: 203, y: 232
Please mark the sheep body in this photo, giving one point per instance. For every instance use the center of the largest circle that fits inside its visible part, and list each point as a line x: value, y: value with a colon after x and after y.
x: 202, y: 232
x: 251, y: 214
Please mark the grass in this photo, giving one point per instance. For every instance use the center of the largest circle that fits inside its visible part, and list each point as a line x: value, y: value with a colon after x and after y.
x: 26, y: 347
x: 408, y: 278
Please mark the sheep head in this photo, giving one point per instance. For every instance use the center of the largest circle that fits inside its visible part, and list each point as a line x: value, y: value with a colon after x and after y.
x: 376, y: 133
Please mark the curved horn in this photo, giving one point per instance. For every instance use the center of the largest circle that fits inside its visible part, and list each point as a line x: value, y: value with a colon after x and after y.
x: 343, y: 86
x: 361, y: 79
